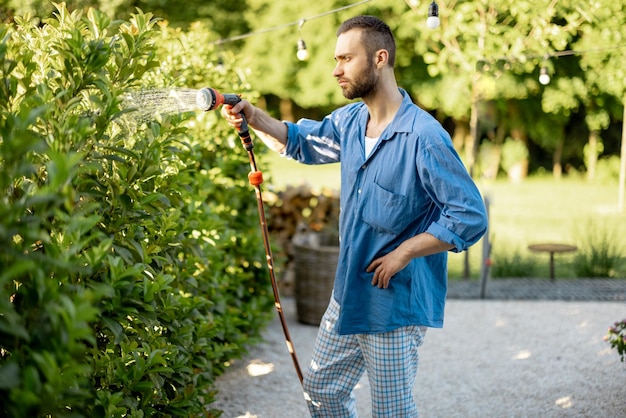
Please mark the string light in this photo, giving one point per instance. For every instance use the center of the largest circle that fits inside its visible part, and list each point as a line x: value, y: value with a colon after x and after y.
x: 544, y: 77
x: 486, y: 63
x: 303, y: 53
x: 249, y: 34
x: 432, y: 22
x: 433, y: 16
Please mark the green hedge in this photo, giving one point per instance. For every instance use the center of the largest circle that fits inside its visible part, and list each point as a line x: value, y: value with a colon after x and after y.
x: 132, y: 267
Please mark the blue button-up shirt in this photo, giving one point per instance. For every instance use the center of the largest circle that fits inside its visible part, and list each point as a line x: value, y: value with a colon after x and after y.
x: 412, y: 182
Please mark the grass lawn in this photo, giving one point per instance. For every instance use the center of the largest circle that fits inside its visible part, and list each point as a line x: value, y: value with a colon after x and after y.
x: 537, y: 210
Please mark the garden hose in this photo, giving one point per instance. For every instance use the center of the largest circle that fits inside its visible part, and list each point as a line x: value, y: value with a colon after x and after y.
x: 210, y: 99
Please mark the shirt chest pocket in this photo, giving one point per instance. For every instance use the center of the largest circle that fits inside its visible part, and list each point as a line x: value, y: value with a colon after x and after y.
x: 386, y: 211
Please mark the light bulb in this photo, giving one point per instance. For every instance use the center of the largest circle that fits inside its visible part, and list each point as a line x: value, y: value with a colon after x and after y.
x: 544, y: 77
x: 303, y: 53
x: 220, y: 65
x: 433, y: 16
x: 432, y: 22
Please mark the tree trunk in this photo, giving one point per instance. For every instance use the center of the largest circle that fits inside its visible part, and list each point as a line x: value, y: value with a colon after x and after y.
x: 622, y: 166
x: 520, y: 172
x: 557, y: 168
x: 592, y: 154
x: 461, y: 133
x: 471, y: 149
x: 286, y: 109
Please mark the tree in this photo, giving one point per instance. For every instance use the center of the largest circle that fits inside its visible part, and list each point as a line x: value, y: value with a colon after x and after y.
x: 483, y: 52
x: 494, y: 47
x: 605, y: 67
x: 272, y: 55
x: 223, y: 17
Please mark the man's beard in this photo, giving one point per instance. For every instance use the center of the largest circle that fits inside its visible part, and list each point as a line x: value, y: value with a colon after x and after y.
x: 364, y: 84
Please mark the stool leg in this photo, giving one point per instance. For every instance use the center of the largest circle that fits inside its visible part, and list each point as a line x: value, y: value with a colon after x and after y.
x: 552, y: 266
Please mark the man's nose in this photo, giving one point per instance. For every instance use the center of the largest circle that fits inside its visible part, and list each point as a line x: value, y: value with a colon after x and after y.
x: 337, y: 71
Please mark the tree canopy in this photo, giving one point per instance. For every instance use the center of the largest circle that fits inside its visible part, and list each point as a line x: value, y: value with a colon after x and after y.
x: 489, y: 52
x: 478, y: 71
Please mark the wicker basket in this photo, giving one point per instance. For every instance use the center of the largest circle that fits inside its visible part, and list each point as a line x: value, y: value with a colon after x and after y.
x: 315, y: 273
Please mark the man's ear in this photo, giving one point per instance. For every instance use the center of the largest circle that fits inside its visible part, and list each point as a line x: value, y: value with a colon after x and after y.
x: 382, y: 57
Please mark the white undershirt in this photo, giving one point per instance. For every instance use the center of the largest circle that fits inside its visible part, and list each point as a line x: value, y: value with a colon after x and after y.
x: 369, y: 145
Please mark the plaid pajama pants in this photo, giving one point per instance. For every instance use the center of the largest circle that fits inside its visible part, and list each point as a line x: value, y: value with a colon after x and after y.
x: 339, y: 362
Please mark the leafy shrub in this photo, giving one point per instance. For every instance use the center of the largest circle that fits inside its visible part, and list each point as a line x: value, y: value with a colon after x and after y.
x: 512, y: 264
x: 607, y: 169
x: 514, y: 151
x: 131, y: 266
x: 600, y: 252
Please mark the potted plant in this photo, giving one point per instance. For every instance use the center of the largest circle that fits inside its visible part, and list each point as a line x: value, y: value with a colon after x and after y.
x: 616, y: 336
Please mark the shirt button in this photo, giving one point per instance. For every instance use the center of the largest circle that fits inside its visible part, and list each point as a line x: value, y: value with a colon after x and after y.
x: 363, y: 167
x: 359, y: 192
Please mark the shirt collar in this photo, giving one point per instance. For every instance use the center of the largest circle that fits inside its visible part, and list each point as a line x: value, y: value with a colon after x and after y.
x: 402, y: 121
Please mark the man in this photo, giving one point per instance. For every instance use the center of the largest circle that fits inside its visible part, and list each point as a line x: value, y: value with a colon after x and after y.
x: 406, y: 199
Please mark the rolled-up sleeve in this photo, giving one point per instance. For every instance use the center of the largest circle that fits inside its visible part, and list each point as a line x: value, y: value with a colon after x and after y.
x: 313, y: 142
x: 463, y: 217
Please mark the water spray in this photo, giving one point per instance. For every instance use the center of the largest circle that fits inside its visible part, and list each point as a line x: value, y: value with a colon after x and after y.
x: 210, y: 99
x: 146, y: 104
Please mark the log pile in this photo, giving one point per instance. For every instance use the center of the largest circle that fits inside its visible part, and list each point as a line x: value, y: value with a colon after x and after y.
x: 298, y: 213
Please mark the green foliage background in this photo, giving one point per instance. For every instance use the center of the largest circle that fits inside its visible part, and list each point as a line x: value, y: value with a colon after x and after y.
x: 483, y: 61
x: 131, y: 267
x: 131, y: 264
x: 482, y: 64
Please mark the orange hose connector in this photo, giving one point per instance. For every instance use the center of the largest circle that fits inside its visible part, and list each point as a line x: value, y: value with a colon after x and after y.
x: 255, y: 178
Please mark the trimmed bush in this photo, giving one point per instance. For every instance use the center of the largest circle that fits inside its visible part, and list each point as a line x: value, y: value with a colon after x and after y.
x: 132, y: 268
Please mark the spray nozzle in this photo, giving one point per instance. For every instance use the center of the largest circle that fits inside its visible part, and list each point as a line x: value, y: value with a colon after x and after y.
x: 210, y: 99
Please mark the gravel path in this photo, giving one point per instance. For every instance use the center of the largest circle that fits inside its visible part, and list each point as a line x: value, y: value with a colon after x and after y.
x: 493, y: 358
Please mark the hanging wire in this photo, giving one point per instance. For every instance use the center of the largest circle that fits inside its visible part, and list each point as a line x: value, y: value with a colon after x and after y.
x: 302, y: 46
x: 286, y: 25
x: 487, y: 61
x: 576, y: 52
x: 301, y: 21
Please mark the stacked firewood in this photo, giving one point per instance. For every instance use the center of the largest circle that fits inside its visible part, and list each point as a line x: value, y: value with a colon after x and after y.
x: 299, y: 214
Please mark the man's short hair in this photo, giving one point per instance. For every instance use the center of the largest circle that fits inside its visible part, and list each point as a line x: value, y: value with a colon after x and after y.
x: 375, y: 35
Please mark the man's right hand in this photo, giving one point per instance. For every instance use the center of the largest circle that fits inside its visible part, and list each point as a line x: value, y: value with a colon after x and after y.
x: 271, y: 131
x: 232, y: 114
